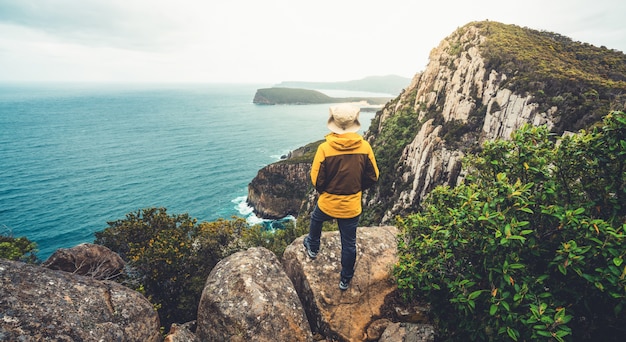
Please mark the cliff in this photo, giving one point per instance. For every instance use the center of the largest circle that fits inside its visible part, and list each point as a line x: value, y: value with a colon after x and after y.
x: 280, y: 189
x: 483, y: 82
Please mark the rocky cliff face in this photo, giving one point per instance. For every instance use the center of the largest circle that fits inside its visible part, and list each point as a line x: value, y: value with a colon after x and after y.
x: 456, y: 87
x: 281, y: 188
x: 464, y: 98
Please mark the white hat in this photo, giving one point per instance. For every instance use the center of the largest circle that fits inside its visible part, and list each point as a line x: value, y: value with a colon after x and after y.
x: 344, y: 118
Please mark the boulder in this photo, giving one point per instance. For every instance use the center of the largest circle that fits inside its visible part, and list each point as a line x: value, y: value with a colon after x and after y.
x: 182, y: 333
x: 248, y: 297
x: 87, y: 259
x: 408, y: 332
x: 40, y: 304
x: 344, y: 315
x: 377, y: 328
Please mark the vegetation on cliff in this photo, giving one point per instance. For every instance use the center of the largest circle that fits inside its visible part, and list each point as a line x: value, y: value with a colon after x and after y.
x: 531, y: 245
x: 584, y: 80
x: 169, y: 257
x: 304, y: 154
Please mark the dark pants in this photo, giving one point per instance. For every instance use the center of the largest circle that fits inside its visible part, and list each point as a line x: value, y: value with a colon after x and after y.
x: 347, y: 229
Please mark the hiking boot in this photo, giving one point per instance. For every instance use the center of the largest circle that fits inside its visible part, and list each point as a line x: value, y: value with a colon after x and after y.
x: 344, y: 283
x: 309, y: 251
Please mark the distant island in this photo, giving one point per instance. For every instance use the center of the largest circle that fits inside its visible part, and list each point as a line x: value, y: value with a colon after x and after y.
x: 298, y: 92
x: 297, y: 96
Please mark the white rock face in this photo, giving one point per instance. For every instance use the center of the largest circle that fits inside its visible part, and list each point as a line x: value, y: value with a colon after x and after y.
x: 428, y: 163
x: 455, y: 83
x: 514, y: 112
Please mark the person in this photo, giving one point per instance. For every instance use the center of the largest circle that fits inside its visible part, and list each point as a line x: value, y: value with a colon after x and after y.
x: 344, y: 165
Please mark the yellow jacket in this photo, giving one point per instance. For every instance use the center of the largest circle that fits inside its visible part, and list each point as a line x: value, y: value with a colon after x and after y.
x: 344, y: 166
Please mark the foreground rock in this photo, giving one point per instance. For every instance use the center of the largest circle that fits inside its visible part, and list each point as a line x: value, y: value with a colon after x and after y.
x: 405, y: 332
x: 182, y: 333
x: 87, y: 259
x: 345, y: 315
x: 39, y: 304
x: 248, y: 297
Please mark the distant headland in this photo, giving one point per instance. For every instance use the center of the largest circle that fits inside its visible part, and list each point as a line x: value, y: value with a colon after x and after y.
x: 297, y: 92
x: 297, y: 96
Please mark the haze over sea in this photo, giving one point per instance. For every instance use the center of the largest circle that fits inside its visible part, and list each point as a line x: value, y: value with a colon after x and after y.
x: 76, y: 156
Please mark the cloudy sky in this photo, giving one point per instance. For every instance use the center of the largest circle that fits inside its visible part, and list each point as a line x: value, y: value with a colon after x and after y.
x: 263, y: 41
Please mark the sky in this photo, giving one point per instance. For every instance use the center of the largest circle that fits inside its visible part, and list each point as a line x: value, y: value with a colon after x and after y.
x: 263, y: 41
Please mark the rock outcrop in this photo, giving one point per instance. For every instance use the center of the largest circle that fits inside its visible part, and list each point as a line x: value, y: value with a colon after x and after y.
x: 408, y: 332
x: 469, y: 94
x: 39, y: 304
x: 248, y: 297
x: 279, y: 189
x: 182, y: 333
x: 87, y: 259
x: 344, y: 315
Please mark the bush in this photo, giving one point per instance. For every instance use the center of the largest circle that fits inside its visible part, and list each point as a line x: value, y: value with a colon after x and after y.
x: 170, y: 257
x: 19, y: 248
x: 531, y: 246
x: 274, y: 239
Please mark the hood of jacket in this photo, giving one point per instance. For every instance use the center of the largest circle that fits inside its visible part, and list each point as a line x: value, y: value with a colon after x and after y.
x: 345, y: 141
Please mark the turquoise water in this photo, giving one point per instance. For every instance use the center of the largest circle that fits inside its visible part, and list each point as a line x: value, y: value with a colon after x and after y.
x: 74, y: 157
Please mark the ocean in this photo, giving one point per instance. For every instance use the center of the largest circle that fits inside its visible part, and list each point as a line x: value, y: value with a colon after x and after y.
x: 76, y: 156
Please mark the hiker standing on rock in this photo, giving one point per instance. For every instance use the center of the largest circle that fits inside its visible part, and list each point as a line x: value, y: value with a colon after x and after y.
x: 344, y: 166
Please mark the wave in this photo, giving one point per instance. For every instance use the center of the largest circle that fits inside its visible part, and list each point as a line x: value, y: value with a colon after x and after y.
x: 241, y: 205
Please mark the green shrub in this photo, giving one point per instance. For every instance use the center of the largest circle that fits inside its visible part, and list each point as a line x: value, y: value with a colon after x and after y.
x: 276, y: 240
x: 19, y: 248
x: 170, y: 257
x: 531, y: 246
